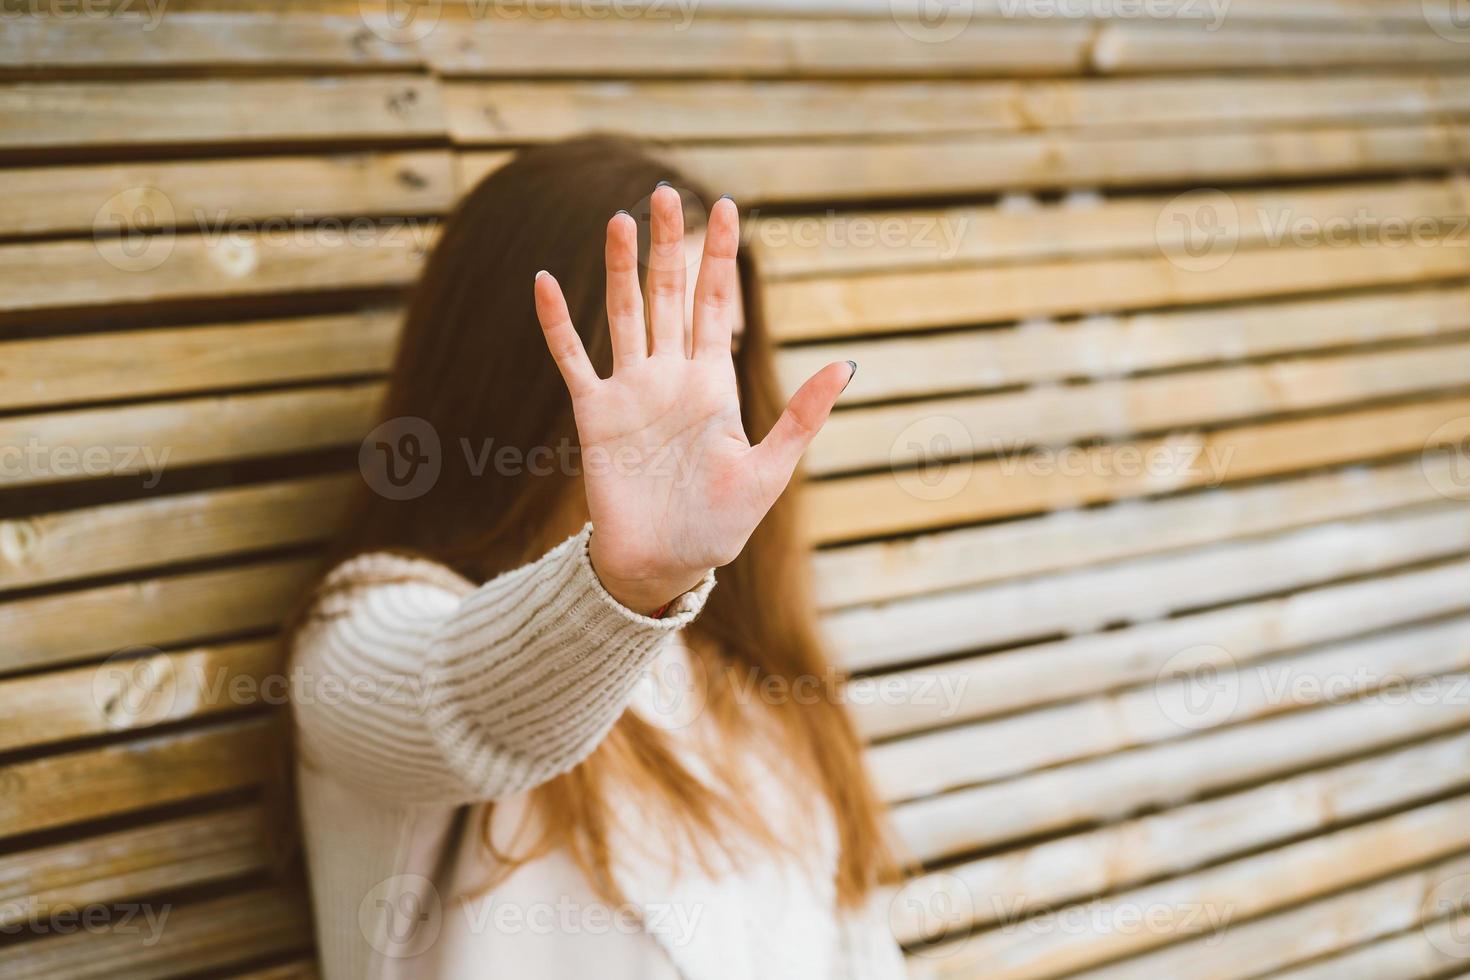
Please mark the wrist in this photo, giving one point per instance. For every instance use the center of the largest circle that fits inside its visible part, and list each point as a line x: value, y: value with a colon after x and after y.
x: 645, y: 594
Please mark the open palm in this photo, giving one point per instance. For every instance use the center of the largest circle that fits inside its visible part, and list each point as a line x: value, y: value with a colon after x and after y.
x: 673, y: 486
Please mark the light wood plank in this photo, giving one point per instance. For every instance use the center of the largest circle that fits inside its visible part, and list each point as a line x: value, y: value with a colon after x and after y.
x: 200, y: 936
x: 911, y: 500
x: 1112, y: 346
x: 1324, y: 926
x: 674, y: 43
x: 488, y: 112
x: 929, y: 166
x: 93, y: 783
x: 160, y: 530
x: 169, y: 38
x: 1169, y: 708
x: 1146, y: 48
x: 1167, y: 773
x: 925, y: 432
x: 1020, y: 229
x: 1072, y: 869
x: 1435, y: 948
x: 67, y: 627
x: 1082, y: 601
x: 41, y: 115
x: 168, y: 855
x: 1013, y: 680
x: 220, y: 195
x: 818, y: 309
x: 178, y: 360
x: 1071, y: 539
x: 219, y: 264
x: 147, y: 439
x: 140, y: 692
x: 1239, y: 890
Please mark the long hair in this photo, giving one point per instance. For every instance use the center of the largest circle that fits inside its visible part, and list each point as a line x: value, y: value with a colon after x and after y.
x: 472, y: 363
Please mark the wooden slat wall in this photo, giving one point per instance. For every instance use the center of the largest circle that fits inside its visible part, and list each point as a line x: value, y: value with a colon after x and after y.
x: 1113, y: 430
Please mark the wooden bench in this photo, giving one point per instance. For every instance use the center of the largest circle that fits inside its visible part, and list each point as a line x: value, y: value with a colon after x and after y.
x: 1001, y: 218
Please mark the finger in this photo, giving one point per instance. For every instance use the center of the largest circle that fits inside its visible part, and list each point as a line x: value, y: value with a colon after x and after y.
x: 780, y: 451
x: 624, y: 294
x: 561, y: 337
x: 717, y: 291
x: 666, y: 272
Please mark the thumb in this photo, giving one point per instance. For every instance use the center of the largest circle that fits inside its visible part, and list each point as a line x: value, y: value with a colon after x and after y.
x: 806, y: 413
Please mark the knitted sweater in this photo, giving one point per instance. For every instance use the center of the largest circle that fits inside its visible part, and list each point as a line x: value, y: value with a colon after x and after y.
x: 420, y: 697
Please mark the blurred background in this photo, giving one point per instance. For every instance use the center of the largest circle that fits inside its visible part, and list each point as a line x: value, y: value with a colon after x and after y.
x: 1143, y: 527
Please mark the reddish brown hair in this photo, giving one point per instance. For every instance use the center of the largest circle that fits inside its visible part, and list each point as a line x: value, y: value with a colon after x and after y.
x: 472, y: 363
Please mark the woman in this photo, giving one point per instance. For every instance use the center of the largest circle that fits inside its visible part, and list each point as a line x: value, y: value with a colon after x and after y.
x: 488, y: 789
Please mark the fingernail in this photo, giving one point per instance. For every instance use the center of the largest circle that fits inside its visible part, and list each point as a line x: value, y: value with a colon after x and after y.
x: 624, y: 211
x: 662, y: 183
x: 726, y: 197
x: 853, y: 365
x: 543, y: 272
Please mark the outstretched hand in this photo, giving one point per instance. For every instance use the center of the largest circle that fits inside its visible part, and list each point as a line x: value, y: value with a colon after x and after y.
x: 674, y: 488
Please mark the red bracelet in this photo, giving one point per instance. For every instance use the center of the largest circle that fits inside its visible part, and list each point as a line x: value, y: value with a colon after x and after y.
x: 659, y: 612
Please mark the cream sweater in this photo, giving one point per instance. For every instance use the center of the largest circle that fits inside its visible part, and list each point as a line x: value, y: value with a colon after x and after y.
x: 419, y: 698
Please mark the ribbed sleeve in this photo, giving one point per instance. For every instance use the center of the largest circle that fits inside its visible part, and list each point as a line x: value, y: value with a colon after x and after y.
x: 416, y: 686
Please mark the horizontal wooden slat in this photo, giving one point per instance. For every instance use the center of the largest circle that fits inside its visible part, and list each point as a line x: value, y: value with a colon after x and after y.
x: 1163, y: 710
x: 217, y: 265
x: 1147, y: 48
x: 675, y: 44
x: 42, y: 115
x: 1070, y: 539
x: 923, y: 167
x: 505, y: 112
x: 869, y: 438
x: 141, y: 692
x: 823, y: 308
x: 996, y: 683
x: 197, y: 937
x: 58, y: 629
x: 1111, y: 346
x: 893, y: 502
x: 1233, y: 892
x: 137, y: 861
x: 93, y: 783
x: 1167, y: 773
x: 1084, y: 600
x: 1435, y: 948
x: 180, y: 360
x: 1321, y: 927
x: 221, y: 195
x: 1121, y: 855
x: 147, y: 439
x: 159, y: 530
x: 1019, y: 229
x: 144, y: 37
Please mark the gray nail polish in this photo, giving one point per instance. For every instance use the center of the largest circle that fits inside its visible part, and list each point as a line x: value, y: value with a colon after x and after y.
x: 726, y: 197
x: 853, y: 365
x: 662, y: 183
x: 624, y: 211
